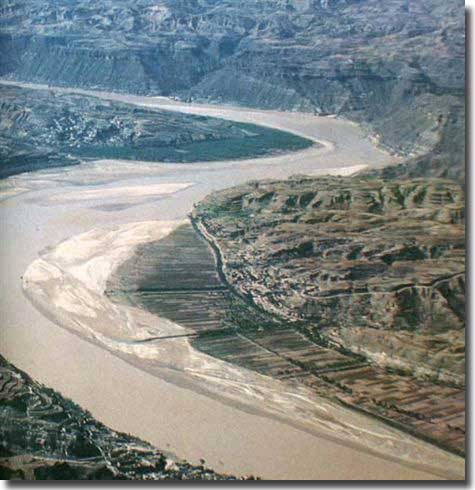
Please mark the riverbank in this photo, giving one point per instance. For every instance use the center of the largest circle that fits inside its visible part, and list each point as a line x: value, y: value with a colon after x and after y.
x: 67, y: 283
x: 73, y: 446
x: 268, y: 238
x: 44, y: 130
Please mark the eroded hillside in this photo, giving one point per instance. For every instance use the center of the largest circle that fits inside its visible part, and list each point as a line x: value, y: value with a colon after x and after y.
x: 374, y: 267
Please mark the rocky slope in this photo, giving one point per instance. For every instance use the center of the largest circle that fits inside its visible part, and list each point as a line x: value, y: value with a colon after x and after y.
x: 374, y: 267
x: 396, y: 66
x: 40, y: 128
x: 46, y: 437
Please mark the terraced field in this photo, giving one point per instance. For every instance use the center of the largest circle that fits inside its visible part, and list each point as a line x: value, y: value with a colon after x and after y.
x: 44, y: 436
x: 179, y: 278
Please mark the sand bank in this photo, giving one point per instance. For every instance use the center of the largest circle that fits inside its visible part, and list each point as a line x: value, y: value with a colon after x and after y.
x: 68, y: 284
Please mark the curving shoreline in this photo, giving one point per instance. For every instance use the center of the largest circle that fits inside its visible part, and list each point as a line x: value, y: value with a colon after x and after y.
x: 73, y: 274
x: 135, y: 209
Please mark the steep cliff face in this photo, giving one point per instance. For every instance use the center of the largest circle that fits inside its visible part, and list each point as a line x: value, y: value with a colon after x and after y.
x: 396, y: 66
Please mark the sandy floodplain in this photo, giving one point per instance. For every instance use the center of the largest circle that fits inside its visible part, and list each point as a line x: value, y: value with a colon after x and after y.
x: 66, y: 230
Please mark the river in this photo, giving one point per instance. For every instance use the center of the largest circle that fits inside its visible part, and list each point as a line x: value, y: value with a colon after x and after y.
x: 50, y: 214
